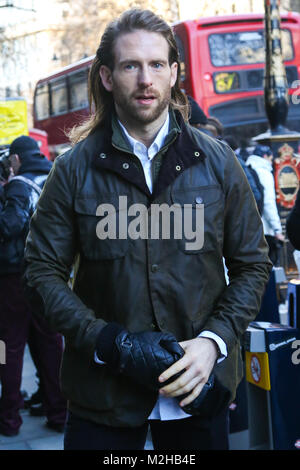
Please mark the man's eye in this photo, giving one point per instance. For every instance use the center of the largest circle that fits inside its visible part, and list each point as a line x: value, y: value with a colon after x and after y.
x: 129, y: 67
x: 157, y: 65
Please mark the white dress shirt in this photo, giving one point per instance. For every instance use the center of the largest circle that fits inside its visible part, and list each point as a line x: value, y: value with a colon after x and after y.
x: 165, y: 408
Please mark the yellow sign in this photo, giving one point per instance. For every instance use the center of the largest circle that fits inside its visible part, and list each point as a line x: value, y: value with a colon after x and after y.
x: 257, y: 369
x: 226, y: 81
x: 13, y: 120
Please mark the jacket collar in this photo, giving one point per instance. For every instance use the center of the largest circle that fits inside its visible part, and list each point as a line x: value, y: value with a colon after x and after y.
x: 180, y: 151
x: 183, y: 153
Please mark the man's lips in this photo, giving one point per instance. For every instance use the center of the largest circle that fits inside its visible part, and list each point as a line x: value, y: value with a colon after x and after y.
x: 145, y: 99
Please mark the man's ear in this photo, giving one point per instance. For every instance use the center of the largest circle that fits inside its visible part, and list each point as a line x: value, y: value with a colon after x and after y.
x: 15, y: 163
x: 174, y: 72
x: 106, y: 77
x: 15, y: 160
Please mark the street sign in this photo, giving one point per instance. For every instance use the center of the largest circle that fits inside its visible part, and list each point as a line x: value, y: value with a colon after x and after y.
x: 13, y: 120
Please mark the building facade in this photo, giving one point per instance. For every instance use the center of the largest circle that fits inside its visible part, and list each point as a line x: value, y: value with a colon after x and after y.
x: 189, y: 9
x: 39, y: 36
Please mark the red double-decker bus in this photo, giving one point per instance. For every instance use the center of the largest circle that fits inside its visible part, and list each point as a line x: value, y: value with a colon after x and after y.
x: 222, y: 61
x: 60, y: 102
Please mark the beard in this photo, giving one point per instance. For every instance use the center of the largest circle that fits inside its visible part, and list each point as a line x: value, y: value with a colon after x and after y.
x: 139, y: 114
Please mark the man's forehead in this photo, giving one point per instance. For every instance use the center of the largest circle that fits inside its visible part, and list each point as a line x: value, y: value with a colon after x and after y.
x: 140, y: 43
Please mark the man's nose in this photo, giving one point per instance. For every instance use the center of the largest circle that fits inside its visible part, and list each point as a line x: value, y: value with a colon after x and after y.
x: 145, y: 79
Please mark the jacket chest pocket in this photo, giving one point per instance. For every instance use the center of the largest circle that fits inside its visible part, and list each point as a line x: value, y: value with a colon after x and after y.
x: 202, y: 213
x: 102, y: 227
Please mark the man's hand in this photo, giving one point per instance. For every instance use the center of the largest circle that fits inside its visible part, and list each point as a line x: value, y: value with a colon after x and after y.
x: 279, y: 236
x: 198, y: 361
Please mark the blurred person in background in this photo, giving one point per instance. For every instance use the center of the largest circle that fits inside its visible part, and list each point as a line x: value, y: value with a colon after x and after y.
x: 216, y: 127
x: 20, y: 195
x: 2, y: 195
x: 261, y: 161
x: 197, y: 117
x: 209, y: 125
x: 251, y: 174
x: 242, y: 151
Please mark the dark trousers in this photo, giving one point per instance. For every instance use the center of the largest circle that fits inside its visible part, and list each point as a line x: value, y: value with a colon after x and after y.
x: 16, y: 325
x: 184, y: 434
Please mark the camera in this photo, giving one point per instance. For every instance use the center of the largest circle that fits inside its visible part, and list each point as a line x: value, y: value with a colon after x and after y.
x: 4, y: 164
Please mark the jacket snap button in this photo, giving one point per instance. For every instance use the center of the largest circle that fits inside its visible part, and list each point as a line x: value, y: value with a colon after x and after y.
x: 197, y: 154
x: 199, y: 200
x: 102, y: 155
x: 125, y: 166
x: 178, y: 167
x: 154, y: 268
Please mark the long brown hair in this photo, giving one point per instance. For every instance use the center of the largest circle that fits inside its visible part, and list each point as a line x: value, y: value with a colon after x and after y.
x: 100, y: 100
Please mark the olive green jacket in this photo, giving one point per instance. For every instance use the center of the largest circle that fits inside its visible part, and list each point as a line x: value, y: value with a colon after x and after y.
x: 143, y: 283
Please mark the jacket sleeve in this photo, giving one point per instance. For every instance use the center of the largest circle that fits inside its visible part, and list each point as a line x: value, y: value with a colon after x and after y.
x: 2, y: 197
x: 293, y: 224
x: 49, y: 256
x: 246, y: 257
x: 14, y: 215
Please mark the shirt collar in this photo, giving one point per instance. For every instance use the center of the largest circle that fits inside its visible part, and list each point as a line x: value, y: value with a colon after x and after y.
x: 139, y: 149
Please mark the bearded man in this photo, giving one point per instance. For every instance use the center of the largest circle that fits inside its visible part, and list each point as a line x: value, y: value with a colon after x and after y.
x: 152, y: 329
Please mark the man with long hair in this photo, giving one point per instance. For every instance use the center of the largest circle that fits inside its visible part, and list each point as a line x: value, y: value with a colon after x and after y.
x: 151, y: 327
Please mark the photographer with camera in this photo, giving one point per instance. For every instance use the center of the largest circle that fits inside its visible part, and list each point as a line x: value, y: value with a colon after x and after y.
x: 5, y: 172
x: 26, y: 171
x: 2, y: 196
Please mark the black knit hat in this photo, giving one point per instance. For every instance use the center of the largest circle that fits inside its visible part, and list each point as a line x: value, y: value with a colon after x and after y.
x: 24, y: 146
x: 261, y: 150
x: 197, y: 115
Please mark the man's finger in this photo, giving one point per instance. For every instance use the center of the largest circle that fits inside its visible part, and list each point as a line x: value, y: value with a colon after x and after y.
x: 180, y: 382
x: 191, y: 397
x: 174, y: 369
x: 180, y: 389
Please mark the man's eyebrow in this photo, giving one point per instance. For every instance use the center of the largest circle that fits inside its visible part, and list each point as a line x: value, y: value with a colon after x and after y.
x: 125, y: 61
x: 136, y: 61
x: 163, y: 61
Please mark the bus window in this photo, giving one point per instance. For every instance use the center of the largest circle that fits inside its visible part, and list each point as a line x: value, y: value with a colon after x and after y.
x: 59, y: 96
x: 78, y: 90
x: 287, y: 45
x: 42, y: 102
x: 244, y: 48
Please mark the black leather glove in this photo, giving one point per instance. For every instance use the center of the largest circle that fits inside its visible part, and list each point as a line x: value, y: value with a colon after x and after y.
x: 141, y: 356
